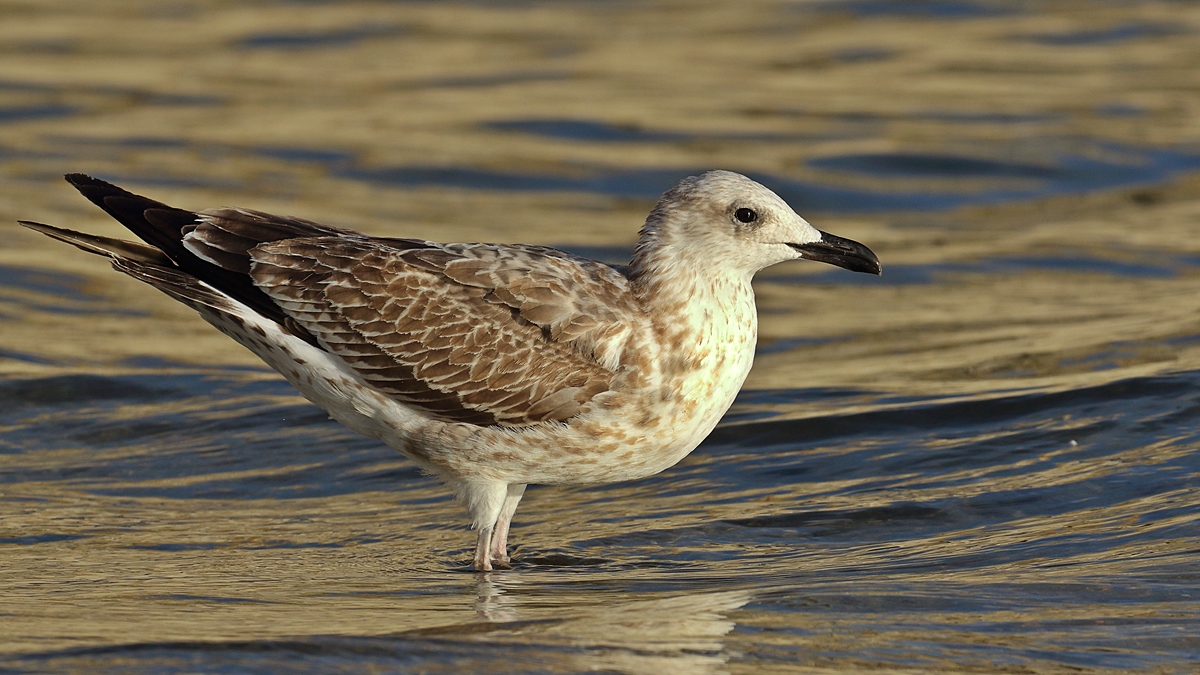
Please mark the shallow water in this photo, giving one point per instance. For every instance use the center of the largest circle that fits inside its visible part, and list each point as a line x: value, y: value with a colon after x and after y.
x: 985, y: 460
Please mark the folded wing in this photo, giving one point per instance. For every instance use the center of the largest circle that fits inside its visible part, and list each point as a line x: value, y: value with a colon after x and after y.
x: 479, y: 333
x: 495, y: 346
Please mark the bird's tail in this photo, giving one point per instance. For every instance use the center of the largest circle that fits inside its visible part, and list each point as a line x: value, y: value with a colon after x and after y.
x: 106, y: 246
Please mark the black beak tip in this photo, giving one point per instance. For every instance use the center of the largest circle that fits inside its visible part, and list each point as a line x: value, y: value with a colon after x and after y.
x: 873, y: 267
x: 864, y: 266
x: 844, y: 253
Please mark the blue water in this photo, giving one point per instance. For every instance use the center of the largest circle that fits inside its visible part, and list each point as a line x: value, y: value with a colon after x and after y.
x: 1121, y: 167
x: 318, y: 39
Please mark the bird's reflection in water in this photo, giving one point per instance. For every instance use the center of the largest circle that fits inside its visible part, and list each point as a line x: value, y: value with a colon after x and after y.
x: 491, y: 603
x: 675, y: 634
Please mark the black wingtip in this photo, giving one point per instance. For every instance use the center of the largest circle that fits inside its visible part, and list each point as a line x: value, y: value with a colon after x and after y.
x: 82, y: 180
x: 161, y: 227
x: 90, y: 184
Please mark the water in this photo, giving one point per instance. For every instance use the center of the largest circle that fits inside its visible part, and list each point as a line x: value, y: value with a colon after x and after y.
x: 985, y: 461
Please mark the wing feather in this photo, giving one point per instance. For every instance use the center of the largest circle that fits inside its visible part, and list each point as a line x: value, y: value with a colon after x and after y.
x: 469, y: 333
x: 487, y: 334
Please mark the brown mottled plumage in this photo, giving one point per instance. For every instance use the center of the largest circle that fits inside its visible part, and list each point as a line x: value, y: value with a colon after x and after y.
x: 492, y: 366
x: 454, y: 330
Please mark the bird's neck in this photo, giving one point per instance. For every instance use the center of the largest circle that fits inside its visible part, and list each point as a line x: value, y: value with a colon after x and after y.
x: 698, y: 305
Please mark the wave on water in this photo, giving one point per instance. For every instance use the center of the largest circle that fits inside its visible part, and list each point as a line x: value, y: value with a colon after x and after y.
x: 920, y: 510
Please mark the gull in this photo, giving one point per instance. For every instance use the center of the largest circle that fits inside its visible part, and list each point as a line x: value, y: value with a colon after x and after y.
x: 491, y: 366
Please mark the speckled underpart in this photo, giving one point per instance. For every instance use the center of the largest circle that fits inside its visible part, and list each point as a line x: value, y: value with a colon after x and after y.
x: 491, y: 366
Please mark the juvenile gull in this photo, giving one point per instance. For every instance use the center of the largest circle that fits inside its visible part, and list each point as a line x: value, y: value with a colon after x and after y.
x: 492, y: 366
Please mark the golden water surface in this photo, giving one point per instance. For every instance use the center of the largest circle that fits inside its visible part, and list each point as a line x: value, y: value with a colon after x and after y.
x: 985, y: 460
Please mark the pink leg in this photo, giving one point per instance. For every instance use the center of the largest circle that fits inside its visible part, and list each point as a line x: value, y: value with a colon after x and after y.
x: 499, y: 544
x: 485, y: 501
x: 483, y: 562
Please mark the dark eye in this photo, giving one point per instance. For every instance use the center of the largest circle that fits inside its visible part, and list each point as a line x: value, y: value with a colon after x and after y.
x: 745, y: 215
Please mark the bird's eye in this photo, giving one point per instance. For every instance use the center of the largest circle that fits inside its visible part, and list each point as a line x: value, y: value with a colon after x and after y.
x: 745, y: 215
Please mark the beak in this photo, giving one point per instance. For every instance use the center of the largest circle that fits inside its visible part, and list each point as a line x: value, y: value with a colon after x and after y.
x: 844, y: 253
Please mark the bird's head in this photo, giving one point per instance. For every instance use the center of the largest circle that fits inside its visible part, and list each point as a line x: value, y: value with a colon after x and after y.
x: 726, y: 220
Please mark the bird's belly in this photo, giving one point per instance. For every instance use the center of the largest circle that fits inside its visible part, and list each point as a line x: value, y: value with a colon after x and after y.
x: 636, y: 433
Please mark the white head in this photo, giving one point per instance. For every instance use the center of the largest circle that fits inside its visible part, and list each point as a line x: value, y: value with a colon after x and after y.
x: 724, y: 219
